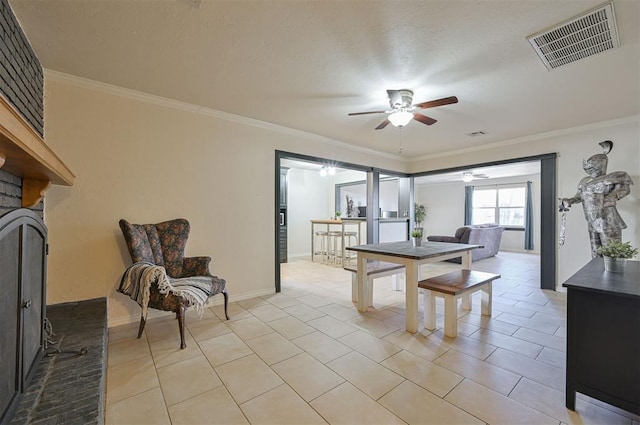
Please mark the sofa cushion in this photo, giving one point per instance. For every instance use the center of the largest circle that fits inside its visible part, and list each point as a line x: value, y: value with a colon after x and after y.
x: 460, y: 232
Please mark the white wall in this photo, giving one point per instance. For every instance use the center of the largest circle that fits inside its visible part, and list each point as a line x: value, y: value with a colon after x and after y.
x: 149, y: 160
x: 571, y: 146
x: 308, y: 198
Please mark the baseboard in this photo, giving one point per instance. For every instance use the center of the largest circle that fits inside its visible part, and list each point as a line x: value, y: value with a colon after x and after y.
x: 216, y: 300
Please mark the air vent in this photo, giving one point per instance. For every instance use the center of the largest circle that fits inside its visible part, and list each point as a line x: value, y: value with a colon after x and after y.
x: 477, y: 133
x: 586, y: 35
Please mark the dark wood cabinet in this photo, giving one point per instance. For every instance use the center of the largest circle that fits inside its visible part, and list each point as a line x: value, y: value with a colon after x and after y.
x: 23, y: 245
x: 282, y: 229
x: 603, y: 335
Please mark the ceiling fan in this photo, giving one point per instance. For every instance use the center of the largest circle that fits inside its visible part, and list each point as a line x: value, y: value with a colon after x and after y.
x: 402, y: 109
x: 468, y: 176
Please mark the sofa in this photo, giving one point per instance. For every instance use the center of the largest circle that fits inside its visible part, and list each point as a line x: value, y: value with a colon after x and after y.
x: 487, y: 235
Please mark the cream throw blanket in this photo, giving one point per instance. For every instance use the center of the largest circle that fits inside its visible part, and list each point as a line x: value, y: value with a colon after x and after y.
x: 137, y: 279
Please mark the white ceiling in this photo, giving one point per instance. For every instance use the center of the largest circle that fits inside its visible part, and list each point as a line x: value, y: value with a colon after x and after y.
x: 306, y: 64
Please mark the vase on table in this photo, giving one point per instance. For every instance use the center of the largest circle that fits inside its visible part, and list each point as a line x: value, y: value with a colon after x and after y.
x: 417, y: 241
x: 614, y: 265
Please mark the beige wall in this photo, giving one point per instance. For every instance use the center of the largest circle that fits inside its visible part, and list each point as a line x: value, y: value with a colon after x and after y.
x: 146, y: 162
x: 571, y: 146
x: 138, y: 158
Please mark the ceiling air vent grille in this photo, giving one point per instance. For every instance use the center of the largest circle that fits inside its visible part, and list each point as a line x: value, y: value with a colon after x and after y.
x: 586, y: 35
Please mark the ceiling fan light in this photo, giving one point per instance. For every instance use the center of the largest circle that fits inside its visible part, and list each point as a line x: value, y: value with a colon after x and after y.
x: 467, y: 177
x: 400, y: 118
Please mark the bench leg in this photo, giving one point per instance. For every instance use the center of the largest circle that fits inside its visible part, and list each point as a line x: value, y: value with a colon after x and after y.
x: 354, y: 287
x: 486, y: 299
x: 398, y: 282
x: 466, y: 302
x: 368, y: 289
x: 429, y: 306
x: 450, y: 316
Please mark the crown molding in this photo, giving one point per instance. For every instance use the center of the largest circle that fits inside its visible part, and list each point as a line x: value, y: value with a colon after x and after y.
x: 534, y: 137
x: 201, y: 110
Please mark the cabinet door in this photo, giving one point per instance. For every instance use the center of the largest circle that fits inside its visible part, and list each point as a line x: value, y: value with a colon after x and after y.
x: 32, y: 303
x: 9, y: 319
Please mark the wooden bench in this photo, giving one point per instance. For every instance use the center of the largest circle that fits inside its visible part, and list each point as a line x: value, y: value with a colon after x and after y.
x: 451, y: 286
x: 375, y: 269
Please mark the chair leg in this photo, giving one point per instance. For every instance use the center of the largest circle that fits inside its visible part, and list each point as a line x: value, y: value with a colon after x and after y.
x: 226, y: 302
x: 181, y: 323
x: 143, y: 321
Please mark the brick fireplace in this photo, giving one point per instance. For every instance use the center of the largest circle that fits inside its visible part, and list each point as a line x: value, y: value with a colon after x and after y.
x: 44, y: 377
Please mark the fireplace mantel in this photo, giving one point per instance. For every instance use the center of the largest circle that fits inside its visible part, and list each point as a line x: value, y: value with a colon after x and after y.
x: 24, y: 154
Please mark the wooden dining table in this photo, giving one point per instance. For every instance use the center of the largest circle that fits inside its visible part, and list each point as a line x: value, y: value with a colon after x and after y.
x: 411, y: 257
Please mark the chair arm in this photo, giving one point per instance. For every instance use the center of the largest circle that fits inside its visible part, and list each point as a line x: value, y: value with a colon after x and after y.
x: 195, y: 266
x: 436, y: 238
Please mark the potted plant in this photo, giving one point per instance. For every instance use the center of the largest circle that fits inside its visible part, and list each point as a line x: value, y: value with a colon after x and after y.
x: 615, y: 254
x: 419, y: 213
x: 416, y: 235
x: 338, y: 214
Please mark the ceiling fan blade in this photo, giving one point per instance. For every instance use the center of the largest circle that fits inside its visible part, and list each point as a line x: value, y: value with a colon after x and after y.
x: 438, y: 102
x: 365, y: 113
x: 424, y: 119
x: 383, y: 124
x: 395, y: 98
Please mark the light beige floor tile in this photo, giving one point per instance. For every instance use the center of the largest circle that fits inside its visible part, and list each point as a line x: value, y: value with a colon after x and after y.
x: 307, y: 376
x: 167, y: 351
x: 331, y: 326
x: 280, y: 405
x: 162, y: 328
x: 207, y: 328
x: 340, y: 312
x: 321, y: 346
x: 375, y: 327
x: 268, y: 312
x: 188, y: 378
x: 141, y: 409
x: 367, y: 375
x: 483, y: 373
x: 490, y: 323
x: 130, y: 378
x: 214, y: 406
x: 280, y: 300
x: 194, y: 315
x: 224, y: 348
x: 126, y: 350
x: 494, y: 408
x: 251, y: 303
x: 510, y: 343
x: 417, y: 344
x: 416, y: 405
x: 470, y: 346
x: 273, y: 348
x: 551, y: 402
x: 541, y: 323
x: 535, y: 370
x: 247, y: 378
x: 553, y: 357
x: 290, y: 327
x: 233, y: 309
x: 347, y: 405
x: 248, y: 328
x: 551, y: 341
x: 122, y: 332
x: 372, y: 347
x: 429, y: 376
x: 314, y: 301
x: 304, y: 312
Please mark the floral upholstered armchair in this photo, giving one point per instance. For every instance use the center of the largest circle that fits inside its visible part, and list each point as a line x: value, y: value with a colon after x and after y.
x: 163, y: 244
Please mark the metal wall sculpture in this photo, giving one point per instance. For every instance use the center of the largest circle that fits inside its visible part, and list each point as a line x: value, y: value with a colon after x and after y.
x: 599, y: 192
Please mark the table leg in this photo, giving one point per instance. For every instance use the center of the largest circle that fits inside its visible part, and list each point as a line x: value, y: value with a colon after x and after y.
x: 466, y: 265
x: 362, y: 283
x: 313, y: 243
x: 486, y: 299
x: 411, y: 303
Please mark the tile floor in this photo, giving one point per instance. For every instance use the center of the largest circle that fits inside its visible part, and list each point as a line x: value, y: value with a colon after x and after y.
x: 306, y: 356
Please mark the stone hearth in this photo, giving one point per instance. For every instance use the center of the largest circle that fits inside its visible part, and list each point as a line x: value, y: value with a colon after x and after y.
x: 68, y: 388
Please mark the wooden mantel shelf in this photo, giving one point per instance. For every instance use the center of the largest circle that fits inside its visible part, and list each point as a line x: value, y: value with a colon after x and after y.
x: 23, y: 153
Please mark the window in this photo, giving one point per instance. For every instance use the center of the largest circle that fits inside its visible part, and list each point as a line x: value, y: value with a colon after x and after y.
x: 504, y: 206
